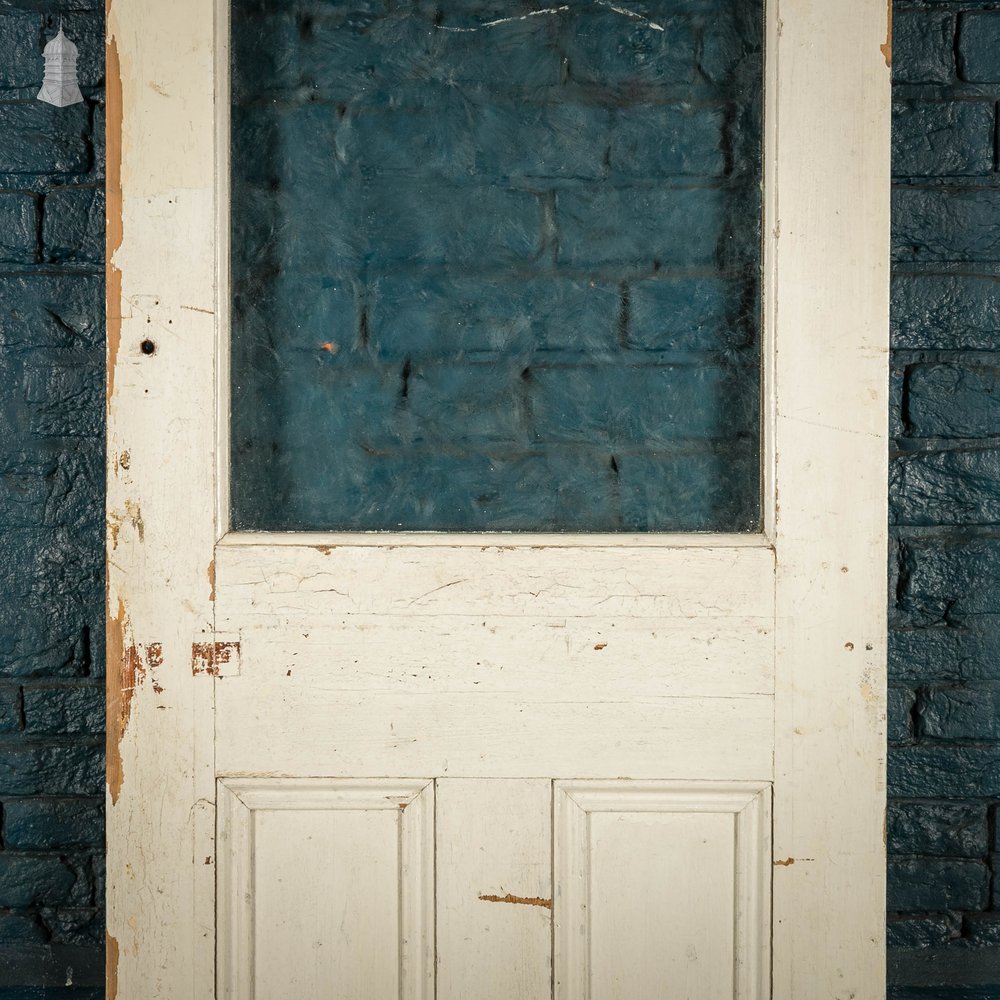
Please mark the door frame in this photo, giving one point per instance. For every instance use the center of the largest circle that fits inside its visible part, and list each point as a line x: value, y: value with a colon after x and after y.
x: 824, y: 446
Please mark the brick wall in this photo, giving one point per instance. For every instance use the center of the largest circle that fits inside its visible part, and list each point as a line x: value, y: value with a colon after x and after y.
x: 51, y: 512
x: 944, y: 701
x: 493, y: 271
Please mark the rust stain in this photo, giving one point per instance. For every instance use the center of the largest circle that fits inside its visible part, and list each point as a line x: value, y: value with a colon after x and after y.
x: 524, y: 900
x: 330, y: 347
x: 211, y: 580
x: 210, y: 657
x: 601, y: 645
x: 113, y: 221
x: 886, y: 49
x: 111, y: 965
x: 786, y: 863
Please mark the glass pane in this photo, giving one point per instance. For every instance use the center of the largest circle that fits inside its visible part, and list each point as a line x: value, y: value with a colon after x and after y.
x: 496, y: 265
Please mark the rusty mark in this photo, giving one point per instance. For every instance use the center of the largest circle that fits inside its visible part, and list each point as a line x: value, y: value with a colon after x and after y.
x: 785, y: 863
x: 524, y: 900
x: 114, y: 226
x: 111, y: 965
x: 329, y: 346
x: 886, y: 49
x: 600, y: 645
x: 210, y: 657
x: 211, y: 580
x: 124, y: 460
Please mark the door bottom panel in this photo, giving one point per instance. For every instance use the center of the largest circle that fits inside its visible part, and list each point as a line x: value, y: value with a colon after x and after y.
x: 493, y: 889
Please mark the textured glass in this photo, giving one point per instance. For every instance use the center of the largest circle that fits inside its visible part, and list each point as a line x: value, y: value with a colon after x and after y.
x: 496, y: 266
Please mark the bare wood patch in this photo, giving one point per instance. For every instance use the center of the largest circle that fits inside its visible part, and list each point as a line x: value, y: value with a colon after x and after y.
x: 523, y: 900
x: 210, y: 657
x: 111, y: 965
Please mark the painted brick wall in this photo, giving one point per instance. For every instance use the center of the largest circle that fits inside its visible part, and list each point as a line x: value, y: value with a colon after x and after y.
x: 944, y: 701
x: 51, y: 512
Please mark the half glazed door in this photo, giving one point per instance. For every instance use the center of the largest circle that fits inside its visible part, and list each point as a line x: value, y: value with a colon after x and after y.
x: 506, y: 743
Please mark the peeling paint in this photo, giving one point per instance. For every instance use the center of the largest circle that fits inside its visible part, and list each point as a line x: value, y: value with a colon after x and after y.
x: 886, y: 49
x: 132, y: 515
x: 786, y: 863
x: 110, y: 965
x: 210, y: 657
x: 524, y: 900
x: 211, y: 580
x: 600, y: 645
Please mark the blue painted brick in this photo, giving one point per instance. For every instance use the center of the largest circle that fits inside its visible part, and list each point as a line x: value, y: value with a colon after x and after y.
x: 73, y: 225
x: 940, y: 138
x: 979, y: 46
x: 42, y: 824
x: 900, y: 703
x: 20, y: 48
x: 64, y: 400
x: 51, y: 311
x: 37, y: 138
x: 62, y: 709
x: 960, y: 487
x: 10, y: 709
x: 953, y: 401
x: 922, y: 47
x: 610, y: 49
x: 945, y: 311
x: 53, y: 769
x: 618, y: 404
x: 31, y: 880
x: 640, y: 228
x: 930, y: 884
x: 960, y: 713
x: 949, y: 829
x: 658, y: 141
x: 18, y: 228
x: 80, y: 926
x: 923, y: 931
x: 20, y: 930
x: 549, y: 141
x: 944, y: 771
x: 696, y: 314
x: 945, y: 225
x: 954, y: 582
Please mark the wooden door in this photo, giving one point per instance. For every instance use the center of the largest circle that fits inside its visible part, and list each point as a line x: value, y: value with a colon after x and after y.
x: 479, y: 766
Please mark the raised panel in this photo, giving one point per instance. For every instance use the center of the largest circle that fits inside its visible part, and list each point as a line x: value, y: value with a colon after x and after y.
x: 326, y: 885
x: 661, y: 890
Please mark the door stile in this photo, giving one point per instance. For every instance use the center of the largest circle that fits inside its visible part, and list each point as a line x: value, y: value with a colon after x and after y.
x: 160, y: 500
x: 829, y: 244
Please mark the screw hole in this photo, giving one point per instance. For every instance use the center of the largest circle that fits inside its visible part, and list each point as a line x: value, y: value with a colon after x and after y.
x: 147, y: 347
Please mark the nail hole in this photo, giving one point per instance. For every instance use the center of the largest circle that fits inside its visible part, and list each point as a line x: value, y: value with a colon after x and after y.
x: 147, y: 347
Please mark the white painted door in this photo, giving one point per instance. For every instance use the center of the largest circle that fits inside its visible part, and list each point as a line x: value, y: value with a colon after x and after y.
x: 482, y: 767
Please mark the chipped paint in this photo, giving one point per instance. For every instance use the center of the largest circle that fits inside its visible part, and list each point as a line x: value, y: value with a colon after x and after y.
x: 788, y: 862
x: 886, y: 48
x: 600, y: 645
x: 211, y: 580
x: 523, y: 900
x: 131, y: 515
x: 110, y: 965
x: 210, y: 657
